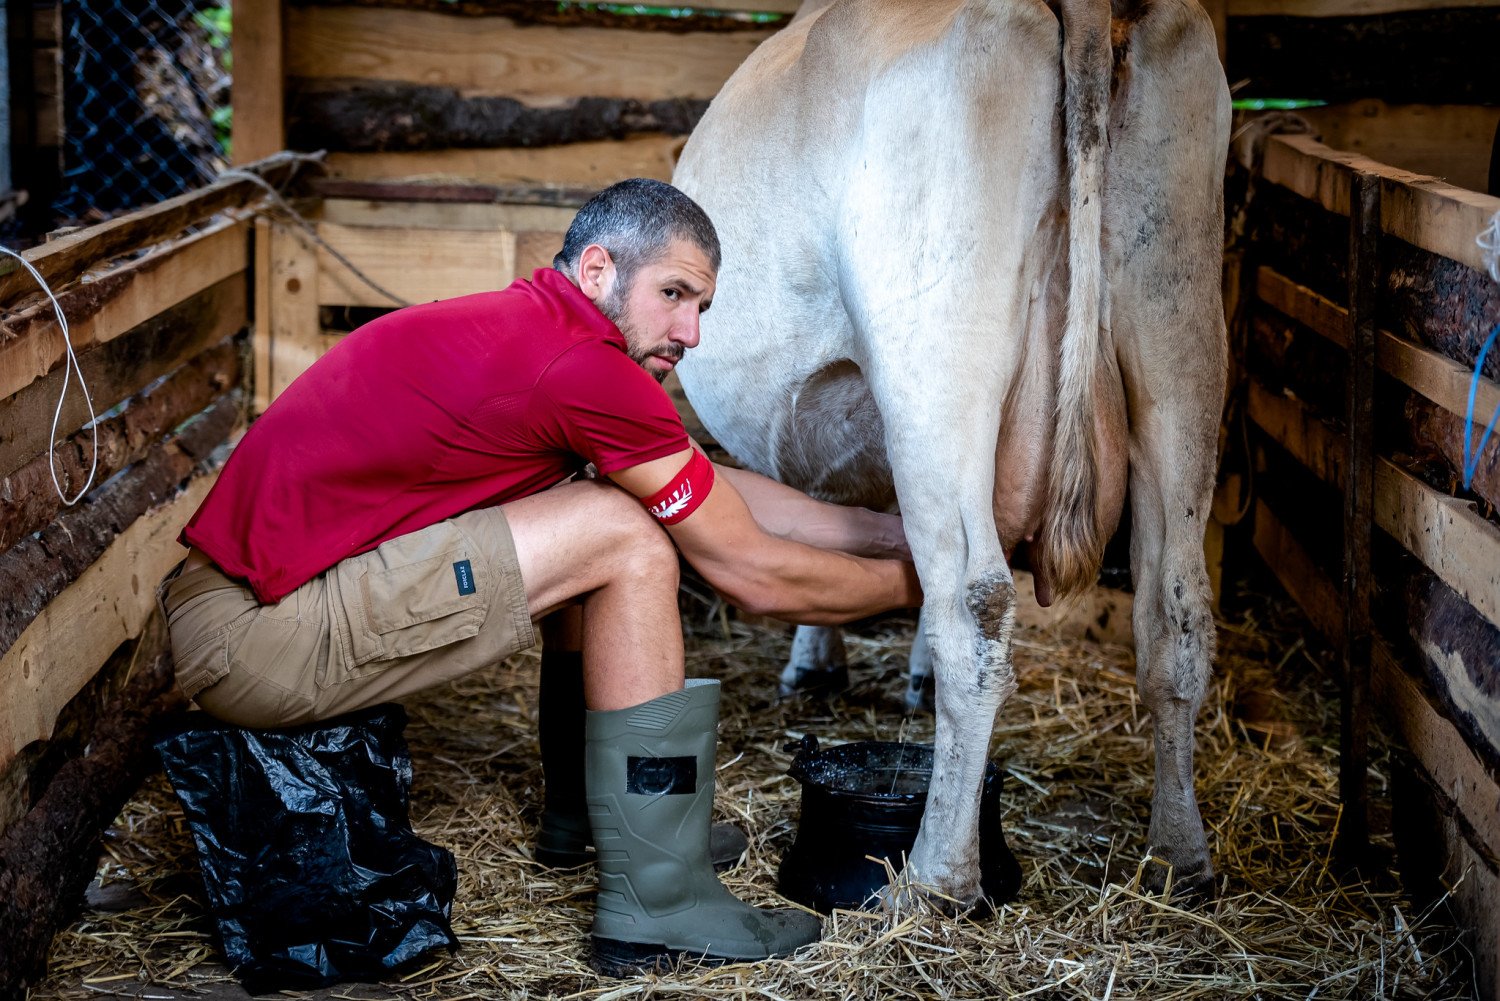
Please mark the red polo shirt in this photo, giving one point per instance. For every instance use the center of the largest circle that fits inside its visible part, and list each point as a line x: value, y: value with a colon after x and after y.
x: 424, y: 414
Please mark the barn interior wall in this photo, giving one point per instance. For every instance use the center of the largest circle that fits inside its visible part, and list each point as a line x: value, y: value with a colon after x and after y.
x: 1437, y: 543
x: 437, y: 207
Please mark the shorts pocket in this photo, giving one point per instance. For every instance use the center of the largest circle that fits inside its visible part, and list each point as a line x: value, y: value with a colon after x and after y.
x: 413, y: 594
x: 200, y: 631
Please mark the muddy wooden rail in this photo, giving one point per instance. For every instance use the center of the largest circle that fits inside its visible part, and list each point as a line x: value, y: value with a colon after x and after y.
x: 1435, y: 639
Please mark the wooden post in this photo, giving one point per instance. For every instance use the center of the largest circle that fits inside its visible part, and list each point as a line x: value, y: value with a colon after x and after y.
x: 1359, y: 507
x: 293, y: 328
x: 258, y: 93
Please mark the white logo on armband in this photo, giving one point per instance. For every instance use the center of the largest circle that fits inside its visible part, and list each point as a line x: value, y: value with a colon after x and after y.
x: 676, y: 501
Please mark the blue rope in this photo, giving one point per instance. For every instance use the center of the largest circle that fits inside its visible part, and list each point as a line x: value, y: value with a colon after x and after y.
x: 1471, y: 458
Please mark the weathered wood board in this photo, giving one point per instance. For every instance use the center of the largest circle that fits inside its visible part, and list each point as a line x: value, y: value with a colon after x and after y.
x: 496, y: 56
x: 118, y: 369
x: 590, y: 165
x: 1452, y: 142
x: 112, y: 303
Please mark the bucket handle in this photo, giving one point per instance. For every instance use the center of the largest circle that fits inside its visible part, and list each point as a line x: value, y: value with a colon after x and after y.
x: 805, y: 748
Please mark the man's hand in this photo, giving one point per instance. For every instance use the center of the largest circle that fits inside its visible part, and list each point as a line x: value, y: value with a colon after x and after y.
x: 773, y: 574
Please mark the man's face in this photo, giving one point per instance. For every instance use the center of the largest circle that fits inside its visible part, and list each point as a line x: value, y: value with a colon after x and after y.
x: 658, y: 313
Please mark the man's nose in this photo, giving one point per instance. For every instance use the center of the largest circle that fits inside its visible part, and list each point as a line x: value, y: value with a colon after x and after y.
x: 686, y: 332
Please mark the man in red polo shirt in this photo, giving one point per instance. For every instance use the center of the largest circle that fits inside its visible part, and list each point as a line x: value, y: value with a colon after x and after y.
x: 403, y: 514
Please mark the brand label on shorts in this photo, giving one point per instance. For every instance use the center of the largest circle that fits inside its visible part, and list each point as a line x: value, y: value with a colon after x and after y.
x: 465, y: 574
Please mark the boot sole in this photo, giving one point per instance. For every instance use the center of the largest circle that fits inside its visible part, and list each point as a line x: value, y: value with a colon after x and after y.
x: 614, y: 958
x: 574, y: 860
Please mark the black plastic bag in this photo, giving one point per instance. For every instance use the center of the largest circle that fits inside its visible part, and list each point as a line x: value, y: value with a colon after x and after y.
x: 312, y: 871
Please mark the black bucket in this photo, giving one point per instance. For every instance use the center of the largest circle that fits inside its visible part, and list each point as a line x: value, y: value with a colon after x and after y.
x: 867, y: 798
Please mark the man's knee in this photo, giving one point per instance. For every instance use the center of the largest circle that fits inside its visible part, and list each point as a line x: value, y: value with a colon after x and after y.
x: 643, y: 550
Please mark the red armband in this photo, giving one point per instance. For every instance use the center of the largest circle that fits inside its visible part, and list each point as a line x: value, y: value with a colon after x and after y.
x: 681, y: 497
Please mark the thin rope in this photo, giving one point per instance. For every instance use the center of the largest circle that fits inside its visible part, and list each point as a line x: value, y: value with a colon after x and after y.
x: 1489, y: 244
x: 297, y: 217
x: 70, y: 365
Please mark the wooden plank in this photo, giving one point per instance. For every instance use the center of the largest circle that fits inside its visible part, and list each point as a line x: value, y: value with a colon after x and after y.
x: 49, y: 857
x: 737, y: 15
x: 587, y: 165
x: 387, y: 192
x: 1448, y: 759
x: 1436, y: 376
x: 1344, y: 8
x: 495, y: 56
x: 1452, y: 647
x: 536, y: 250
x: 47, y: 79
x: 418, y: 265
x: 1297, y: 572
x: 1421, y: 210
x: 1438, y: 744
x: 260, y: 333
x: 42, y: 566
x: 258, y: 129
x: 1359, y: 422
x: 29, y: 502
x: 1438, y: 436
x: 117, y: 370
x: 116, y: 301
x: 1449, y: 141
x: 448, y: 215
x: 1443, y: 532
x: 385, y: 116
x: 61, y: 260
x: 54, y: 658
x: 1310, y: 441
x: 293, y: 327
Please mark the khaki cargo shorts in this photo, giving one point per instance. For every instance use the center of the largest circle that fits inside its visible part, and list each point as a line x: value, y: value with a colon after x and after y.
x: 420, y: 610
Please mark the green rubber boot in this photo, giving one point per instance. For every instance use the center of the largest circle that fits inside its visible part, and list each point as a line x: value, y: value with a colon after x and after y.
x: 651, y: 791
x: 564, y: 840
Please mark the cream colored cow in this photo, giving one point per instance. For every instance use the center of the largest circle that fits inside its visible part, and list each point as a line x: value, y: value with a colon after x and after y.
x: 971, y: 265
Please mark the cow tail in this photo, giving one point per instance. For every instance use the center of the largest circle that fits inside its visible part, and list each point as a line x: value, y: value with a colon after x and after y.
x: 1072, y: 542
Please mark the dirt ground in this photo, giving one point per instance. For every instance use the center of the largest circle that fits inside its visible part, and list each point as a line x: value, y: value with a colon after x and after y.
x: 1075, y: 746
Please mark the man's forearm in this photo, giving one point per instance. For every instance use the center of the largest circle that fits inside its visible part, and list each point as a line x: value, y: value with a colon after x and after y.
x: 794, y: 582
x: 790, y: 514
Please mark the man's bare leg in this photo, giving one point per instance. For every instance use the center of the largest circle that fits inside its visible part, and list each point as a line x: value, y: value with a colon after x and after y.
x: 594, y: 542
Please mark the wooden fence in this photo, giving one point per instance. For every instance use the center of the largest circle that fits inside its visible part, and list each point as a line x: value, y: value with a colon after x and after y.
x: 497, y: 92
x: 1408, y: 82
x: 1356, y: 263
x: 158, y: 304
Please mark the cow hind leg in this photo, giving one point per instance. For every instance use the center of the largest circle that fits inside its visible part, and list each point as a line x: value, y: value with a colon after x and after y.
x: 1163, y: 202
x: 818, y: 663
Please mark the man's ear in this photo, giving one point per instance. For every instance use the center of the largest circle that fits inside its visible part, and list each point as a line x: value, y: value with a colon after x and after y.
x: 596, y: 272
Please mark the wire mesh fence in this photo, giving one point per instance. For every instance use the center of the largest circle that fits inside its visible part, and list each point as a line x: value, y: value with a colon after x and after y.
x: 145, y: 102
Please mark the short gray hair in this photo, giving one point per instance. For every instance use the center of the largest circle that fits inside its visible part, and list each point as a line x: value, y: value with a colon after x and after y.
x: 635, y: 220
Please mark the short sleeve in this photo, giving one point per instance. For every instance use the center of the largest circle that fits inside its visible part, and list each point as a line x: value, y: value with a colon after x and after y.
x: 596, y: 402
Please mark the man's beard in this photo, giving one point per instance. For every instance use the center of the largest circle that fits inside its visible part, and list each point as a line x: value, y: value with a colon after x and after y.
x: 613, y: 307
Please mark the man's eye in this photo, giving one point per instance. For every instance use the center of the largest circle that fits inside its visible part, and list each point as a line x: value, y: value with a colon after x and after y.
x: 672, y: 294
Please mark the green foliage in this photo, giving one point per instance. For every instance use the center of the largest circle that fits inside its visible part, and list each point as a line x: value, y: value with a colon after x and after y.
x: 655, y: 10
x: 1275, y: 104
x: 217, y: 27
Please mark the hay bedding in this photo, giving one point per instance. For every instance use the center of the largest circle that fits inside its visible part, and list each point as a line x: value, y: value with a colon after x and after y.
x: 1077, y: 794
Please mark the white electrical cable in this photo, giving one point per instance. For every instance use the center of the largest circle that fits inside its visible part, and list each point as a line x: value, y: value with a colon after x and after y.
x: 1489, y: 244
x: 70, y: 365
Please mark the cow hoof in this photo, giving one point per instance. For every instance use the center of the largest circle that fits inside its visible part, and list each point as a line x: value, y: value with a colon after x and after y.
x: 825, y: 681
x: 1194, y: 885
x: 920, y: 694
